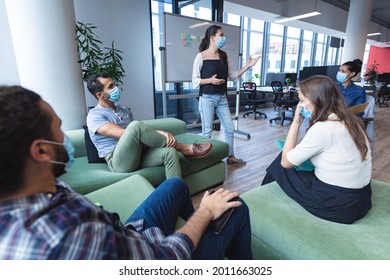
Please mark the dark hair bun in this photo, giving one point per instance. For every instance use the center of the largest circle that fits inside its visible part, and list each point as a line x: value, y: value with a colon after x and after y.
x: 358, y: 65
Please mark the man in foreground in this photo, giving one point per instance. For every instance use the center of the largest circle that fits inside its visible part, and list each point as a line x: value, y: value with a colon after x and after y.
x: 43, y: 218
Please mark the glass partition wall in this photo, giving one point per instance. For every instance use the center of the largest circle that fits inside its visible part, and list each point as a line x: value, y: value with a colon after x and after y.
x: 284, y: 50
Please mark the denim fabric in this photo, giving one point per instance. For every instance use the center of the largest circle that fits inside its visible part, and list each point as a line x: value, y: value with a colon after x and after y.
x: 172, y: 199
x: 234, y: 241
x: 210, y: 104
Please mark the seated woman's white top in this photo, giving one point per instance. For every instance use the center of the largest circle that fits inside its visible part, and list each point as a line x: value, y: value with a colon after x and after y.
x: 331, y: 149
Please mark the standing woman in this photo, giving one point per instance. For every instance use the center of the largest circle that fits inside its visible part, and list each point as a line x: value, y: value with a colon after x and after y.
x: 211, y: 70
x: 353, y: 94
x: 339, y: 188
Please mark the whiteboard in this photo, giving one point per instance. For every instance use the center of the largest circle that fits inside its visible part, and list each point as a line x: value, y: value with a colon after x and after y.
x: 182, y: 39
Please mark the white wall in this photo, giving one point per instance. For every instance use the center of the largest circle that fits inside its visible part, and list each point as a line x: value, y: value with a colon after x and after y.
x: 8, y: 70
x: 128, y: 23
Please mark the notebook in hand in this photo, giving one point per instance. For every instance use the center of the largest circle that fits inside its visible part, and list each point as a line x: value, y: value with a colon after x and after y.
x: 217, y: 225
x: 305, y: 166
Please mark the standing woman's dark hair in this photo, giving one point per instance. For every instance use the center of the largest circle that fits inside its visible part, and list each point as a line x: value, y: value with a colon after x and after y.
x: 327, y: 98
x: 212, y: 31
x: 354, y: 66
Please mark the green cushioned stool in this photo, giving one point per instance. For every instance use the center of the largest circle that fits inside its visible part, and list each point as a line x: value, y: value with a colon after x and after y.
x: 124, y: 196
x: 282, y: 229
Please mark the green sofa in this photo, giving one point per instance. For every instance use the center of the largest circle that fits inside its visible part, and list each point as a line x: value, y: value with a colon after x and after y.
x: 199, y: 174
x: 282, y: 229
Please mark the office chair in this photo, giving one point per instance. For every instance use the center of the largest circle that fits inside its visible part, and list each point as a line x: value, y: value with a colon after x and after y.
x: 383, y: 96
x: 367, y: 109
x: 282, y: 104
x: 253, y: 99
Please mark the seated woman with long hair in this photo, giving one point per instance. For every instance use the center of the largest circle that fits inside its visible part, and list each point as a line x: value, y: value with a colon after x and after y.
x: 338, y: 189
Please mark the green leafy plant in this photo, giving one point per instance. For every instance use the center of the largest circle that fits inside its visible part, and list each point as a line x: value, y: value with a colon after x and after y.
x: 371, y: 73
x: 255, y: 77
x: 94, y: 58
x: 288, y: 82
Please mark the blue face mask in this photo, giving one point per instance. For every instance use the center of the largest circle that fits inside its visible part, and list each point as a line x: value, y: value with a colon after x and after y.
x: 69, y: 150
x: 115, y: 94
x: 305, y: 113
x: 341, y: 77
x: 221, y: 42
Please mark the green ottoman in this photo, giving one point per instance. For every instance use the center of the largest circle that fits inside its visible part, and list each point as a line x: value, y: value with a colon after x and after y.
x: 282, y: 229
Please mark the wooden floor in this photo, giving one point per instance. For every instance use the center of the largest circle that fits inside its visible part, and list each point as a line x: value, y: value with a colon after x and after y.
x: 260, y: 150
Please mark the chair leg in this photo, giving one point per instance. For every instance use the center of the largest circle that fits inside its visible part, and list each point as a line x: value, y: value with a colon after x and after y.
x: 260, y: 114
x: 255, y: 113
x: 275, y: 119
x: 284, y: 118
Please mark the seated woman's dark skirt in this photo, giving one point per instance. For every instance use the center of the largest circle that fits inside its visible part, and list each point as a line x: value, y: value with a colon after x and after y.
x: 329, y: 202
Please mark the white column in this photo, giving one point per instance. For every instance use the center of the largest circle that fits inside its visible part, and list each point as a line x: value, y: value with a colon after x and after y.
x: 43, y: 36
x: 357, y: 27
x: 8, y: 70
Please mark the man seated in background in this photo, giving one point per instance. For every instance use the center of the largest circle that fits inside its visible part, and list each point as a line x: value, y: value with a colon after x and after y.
x: 43, y: 218
x: 121, y: 141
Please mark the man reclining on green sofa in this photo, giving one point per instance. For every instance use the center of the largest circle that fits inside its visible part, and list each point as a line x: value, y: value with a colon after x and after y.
x: 120, y: 140
x: 42, y: 218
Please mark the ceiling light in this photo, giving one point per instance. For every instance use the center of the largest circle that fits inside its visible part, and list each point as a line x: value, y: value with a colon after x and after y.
x: 312, y: 14
x: 373, y: 34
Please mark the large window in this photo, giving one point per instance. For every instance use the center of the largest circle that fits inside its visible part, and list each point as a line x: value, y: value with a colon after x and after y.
x: 275, y: 48
x: 232, y: 20
x: 182, y: 108
x: 252, y: 45
x: 284, y: 51
x: 158, y: 9
x: 200, y: 9
x: 320, y: 50
x: 365, y: 60
x: 306, y: 48
x: 292, y: 48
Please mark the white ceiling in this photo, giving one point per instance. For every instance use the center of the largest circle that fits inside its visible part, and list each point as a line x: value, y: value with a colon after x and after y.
x: 380, y: 10
x: 333, y: 20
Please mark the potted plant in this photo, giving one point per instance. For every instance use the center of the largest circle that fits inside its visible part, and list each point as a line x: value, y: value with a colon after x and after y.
x: 288, y: 82
x: 371, y: 74
x: 96, y: 59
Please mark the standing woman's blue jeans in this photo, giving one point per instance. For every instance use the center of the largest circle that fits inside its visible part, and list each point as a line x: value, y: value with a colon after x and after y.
x: 172, y: 199
x: 210, y: 104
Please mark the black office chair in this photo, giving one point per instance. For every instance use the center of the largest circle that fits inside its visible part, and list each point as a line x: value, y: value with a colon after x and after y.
x: 253, y: 99
x: 383, y: 96
x: 282, y: 103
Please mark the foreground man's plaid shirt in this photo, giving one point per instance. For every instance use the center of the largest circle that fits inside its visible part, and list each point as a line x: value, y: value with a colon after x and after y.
x: 66, y: 225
